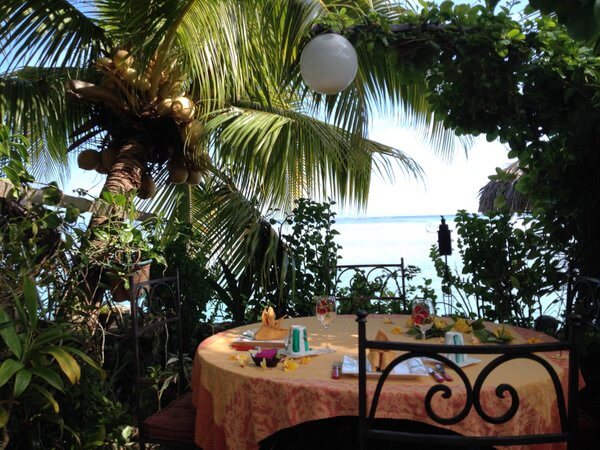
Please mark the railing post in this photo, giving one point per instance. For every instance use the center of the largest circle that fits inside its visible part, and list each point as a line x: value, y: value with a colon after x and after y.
x: 403, y: 270
x: 361, y: 318
x: 574, y: 356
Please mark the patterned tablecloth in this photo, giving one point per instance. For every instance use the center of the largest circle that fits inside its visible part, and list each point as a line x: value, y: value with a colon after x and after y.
x: 238, y: 406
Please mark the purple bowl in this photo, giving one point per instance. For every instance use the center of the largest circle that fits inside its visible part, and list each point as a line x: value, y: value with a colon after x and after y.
x: 271, y: 362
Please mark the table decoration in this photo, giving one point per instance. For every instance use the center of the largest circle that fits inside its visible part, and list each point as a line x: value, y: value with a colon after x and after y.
x: 500, y: 335
x: 271, y: 327
x: 411, y: 368
x: 379, y: 359
x: 266, y: 358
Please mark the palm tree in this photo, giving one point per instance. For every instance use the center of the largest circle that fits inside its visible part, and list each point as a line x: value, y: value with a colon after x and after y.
x: 199, y: 97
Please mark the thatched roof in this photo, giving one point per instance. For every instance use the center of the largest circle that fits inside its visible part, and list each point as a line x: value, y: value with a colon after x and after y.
x: 515, y: 201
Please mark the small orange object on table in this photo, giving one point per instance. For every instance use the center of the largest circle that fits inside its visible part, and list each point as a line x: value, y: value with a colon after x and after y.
x: 239, y: 404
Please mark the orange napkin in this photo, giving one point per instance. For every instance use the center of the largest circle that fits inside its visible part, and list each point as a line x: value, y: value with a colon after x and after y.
x: 380, y: 359
x: 271, y: 327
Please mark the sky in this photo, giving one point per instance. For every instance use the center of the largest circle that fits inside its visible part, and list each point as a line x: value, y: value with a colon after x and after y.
x: 447, y: 186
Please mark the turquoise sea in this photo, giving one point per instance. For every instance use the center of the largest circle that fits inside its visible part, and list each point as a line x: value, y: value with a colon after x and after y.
x: 385, y: 240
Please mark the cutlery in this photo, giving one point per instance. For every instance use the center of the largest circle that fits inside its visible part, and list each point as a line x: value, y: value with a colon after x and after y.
x: 443, y: 372
x: 436, y: 376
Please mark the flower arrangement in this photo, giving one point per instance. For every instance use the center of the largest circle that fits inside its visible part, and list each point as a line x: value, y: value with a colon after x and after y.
x: 461, y: 324
x: 438, y: 329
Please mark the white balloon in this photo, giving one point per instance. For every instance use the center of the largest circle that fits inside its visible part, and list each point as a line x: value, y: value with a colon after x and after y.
x: 328, y: 63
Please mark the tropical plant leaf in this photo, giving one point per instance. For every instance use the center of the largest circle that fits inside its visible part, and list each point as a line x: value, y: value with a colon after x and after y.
x: 46, y: 394
x: 9, y: 334
x: 7, y: 369
x: 49, y: 376
x: 49, y: 33
x: 89, y: 361
x: 31, y: 301
x: 4, y: 416
x: 22, y: 380
x: 67, y: 363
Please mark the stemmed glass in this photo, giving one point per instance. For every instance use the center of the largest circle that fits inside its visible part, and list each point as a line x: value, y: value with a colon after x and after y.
x: 325, y: 310
x: 422, y: 315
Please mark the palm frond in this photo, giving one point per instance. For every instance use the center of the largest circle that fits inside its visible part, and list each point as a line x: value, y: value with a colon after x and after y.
x: 32, y: 102
x: 281, y: 153
x: 48, y: 33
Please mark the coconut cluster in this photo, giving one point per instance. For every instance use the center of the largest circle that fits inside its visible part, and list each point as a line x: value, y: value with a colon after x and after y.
x: 167, y: 99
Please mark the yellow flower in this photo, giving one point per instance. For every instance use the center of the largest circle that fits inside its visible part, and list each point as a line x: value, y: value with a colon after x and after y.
x: 305, y: 360
x: 534, y: 340
x: 289, y: 365
x: 243, y: 360
x: 409, y: 322
x: 503, y: 333
x: 232, y: 357
x: 396, y: 330
x: 263, y: 364
x: 439, y: 323
x: 462, y: 326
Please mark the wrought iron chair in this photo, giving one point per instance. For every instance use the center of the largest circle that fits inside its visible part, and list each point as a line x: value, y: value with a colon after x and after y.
x: 566, y: 401
x: 583, y: 298
x: 384, y: 282
x: 156, y: 317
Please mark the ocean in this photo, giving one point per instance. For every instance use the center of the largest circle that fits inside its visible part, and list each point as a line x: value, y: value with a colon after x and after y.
x: 386, y: 240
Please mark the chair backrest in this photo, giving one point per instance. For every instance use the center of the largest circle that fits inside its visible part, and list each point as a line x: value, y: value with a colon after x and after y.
x: 373, y: 282
x: 158, y: 348
x: 583, y: 299
x: 566, y: 401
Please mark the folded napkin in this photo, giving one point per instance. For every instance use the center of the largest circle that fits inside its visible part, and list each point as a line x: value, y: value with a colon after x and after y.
x: 271, y: 327
x: 380, y: 359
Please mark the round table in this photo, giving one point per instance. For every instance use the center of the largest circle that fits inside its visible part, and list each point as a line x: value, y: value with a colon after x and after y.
x: 238, y: 406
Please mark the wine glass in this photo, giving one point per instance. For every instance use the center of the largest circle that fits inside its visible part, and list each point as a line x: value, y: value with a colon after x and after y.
x: 422, y: 315
x: 325, y: 310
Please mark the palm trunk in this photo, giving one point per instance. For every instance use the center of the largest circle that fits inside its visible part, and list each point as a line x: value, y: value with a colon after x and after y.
x: 125, y: 177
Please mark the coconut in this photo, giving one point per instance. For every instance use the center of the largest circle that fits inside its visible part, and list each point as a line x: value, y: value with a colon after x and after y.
x: 109, y: 156
x: 88, y: 159
x: 178, y: 173
x: 130, y: 75
x: 104, y: 62
x: 101, y: 169
x: 192, y: 132
x: 171, y: 88
x: 142, y: 83
x: 147, y: 188
x: 194, y: 177
x: 183, y: 108
x: 122, y: 60
x: 163, y: 107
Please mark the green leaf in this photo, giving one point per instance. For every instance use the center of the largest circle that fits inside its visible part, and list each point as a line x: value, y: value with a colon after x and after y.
x: 3, y: 416
x: 88, y: 361
x: 9, y: 334
x: 30, y: 295
x: 515, y: 282
x: 8, y: 368
x: 22, y: 380
x: 67, y: 363
x: 49, y: 376
x: 48, y: 396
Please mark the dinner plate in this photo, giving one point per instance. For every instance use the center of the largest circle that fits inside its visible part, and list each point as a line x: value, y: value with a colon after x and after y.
x: 411, y: 368
x: 467, y: 362
x: 311, y: 352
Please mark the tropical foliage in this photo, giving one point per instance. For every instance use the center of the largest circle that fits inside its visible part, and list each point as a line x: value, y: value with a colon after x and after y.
x: 154, y: 97
x: 519, y: 79
x: 510, y: 273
